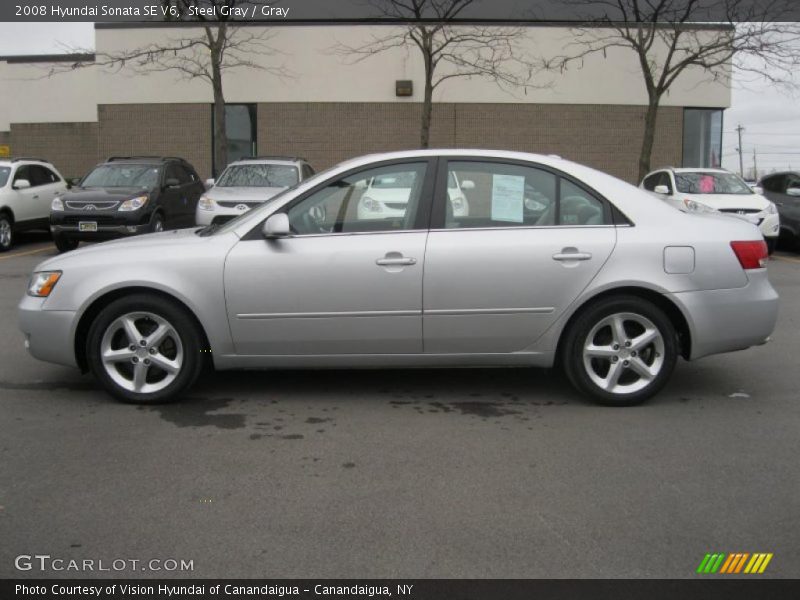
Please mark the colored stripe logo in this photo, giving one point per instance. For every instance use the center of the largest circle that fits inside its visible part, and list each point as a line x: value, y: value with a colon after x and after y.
x: 734, y: 563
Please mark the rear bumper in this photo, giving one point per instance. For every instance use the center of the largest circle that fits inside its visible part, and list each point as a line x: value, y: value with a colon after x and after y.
x: 48, y: 333
x: 731, y: 319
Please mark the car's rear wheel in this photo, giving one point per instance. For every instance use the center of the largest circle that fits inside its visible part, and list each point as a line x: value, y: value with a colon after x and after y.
x: 144, y: 349
x: 620, y: 351
x: 6, y: 232
x: 65, y: 244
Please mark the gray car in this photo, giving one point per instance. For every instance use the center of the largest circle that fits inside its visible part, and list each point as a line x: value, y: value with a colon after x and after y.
x: 605, y: 281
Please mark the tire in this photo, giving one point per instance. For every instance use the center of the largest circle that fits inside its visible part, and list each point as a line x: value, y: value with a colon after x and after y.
x: 772, y: 243
x: 136, y: 376
x: 157, y: 223
x: 615, y: 376
x: 6, y: 232
x: 65, y: 244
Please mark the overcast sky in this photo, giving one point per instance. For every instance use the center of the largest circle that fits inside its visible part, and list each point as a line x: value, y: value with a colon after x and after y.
x: 770, y: 116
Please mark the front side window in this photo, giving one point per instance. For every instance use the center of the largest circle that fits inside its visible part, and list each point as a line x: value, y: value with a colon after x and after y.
x: 489, y: 194
x: 651, y: 181
x: 711, y: 183
x: 258, y: 175
x: 4, y: 173
x: 120, y: 176
x: 24, y: 172
x: 379, y: 199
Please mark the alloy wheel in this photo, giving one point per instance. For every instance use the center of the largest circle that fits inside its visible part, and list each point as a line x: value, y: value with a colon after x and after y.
x: 5, y: 233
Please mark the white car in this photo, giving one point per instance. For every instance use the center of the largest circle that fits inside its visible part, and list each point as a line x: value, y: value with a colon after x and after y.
x: 247, y: 183
x: 386, y: 196
x: 715, y: 191
x: 27, y: 188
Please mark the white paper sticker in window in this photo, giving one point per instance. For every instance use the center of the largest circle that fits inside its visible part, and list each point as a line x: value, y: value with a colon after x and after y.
x: 508, y: 194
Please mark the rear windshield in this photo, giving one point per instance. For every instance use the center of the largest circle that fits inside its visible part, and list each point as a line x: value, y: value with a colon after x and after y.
x: 258, y: 175
x: 139, y: 176
x: 4, y: 173
x: 711, y: 183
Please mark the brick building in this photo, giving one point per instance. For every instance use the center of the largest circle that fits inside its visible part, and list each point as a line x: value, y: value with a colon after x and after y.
x: 328, y: 109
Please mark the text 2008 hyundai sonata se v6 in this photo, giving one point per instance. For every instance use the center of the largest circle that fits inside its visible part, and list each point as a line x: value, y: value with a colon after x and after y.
x: 554, y: 263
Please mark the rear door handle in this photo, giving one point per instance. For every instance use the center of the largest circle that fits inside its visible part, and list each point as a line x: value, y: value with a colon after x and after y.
x: 393, y: 262
x: 572, y: 256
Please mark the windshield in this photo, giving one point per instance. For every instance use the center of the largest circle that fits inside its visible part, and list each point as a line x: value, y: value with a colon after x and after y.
x: 711, y: 183
x: 4, y: 172
x: 258, y: 175
x: 141, y: 176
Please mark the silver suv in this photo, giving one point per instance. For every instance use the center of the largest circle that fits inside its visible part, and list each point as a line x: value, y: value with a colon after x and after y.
x: 27, y: 188
x: 248, y: 182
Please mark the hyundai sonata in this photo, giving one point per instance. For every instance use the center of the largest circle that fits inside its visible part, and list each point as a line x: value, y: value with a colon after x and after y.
x: 602, y: 279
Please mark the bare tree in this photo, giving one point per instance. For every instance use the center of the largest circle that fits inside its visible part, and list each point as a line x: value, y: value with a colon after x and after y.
x: 448, y: 49
x: 671, y: 36
x: 219, y: 47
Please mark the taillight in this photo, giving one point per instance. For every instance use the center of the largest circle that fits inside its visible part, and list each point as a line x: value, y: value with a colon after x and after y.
x: 752, y: 254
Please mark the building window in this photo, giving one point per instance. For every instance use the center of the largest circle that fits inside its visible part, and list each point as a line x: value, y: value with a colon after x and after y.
x: 240, y: 131
x: 702, y: 137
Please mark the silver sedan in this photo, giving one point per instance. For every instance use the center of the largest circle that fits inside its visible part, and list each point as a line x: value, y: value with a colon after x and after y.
x: 555, y: 264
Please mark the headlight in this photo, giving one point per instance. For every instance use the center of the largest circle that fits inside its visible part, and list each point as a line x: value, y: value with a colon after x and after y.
x: 372, y: 205
x: 206, y: 203
x: 697, y: 207
x: 133, y: 203
x: 772, y: 209
x: 43, y: 283
x: 57, y: 204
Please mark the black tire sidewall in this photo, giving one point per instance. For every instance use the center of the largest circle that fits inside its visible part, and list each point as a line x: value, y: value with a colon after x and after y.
x: 177, y: 316
x: 156, y: 218
x: 64, y: 244
x: 5, y: 218
x: 579, y: 330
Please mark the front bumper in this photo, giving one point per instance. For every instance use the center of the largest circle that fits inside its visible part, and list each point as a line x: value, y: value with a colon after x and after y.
x: 104, y: 232
x: 730, y: 319
x: 220, y: 214
x: 48, y: 333
x: 770, y: 226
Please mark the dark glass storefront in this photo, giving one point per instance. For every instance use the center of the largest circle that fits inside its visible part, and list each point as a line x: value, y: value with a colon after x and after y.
x: 702, y: 137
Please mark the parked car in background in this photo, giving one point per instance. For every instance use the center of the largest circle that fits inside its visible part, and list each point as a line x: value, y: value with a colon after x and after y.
x: 126, y: 195
x: 248, y: 182
x: 387, y: 197
x: 715, y: 190
x: 27, y: 187
x: 784, y: 190
x: 607, y: 281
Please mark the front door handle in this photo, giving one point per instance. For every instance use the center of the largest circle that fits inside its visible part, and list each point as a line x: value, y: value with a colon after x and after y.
x: 394, y: 262
x: 562, y: 256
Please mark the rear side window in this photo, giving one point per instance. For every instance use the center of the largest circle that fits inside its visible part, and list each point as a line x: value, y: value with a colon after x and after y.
x: 489, y: 194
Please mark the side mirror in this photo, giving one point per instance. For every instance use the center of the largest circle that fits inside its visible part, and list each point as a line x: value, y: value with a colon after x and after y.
x: 209, y: 183
x: 757, y: 189
x: 661, y: 189
x: 74, y: 181
x: 277, y: 226
x: 793, y: 191
x: 467, y: 184
x: 21, y: 184
x: 172, y: 182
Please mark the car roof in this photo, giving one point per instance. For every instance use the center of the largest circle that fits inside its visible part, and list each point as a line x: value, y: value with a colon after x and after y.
x: 25, y: 160
x: 271, y: 160
x: 144, y: 160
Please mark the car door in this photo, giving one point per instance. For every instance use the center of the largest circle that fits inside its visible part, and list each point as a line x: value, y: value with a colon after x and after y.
x: 342, y: 283
x: 497, y: 278
x: 172, y: 196
x: 26, y: 199
x: 777, y: 190
x: 193, y: 189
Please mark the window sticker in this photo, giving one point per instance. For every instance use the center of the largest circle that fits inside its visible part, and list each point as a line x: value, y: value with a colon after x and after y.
x: 508, y: 194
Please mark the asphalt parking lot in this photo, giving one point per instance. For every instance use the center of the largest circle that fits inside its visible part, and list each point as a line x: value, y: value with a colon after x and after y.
x: 437, y: 473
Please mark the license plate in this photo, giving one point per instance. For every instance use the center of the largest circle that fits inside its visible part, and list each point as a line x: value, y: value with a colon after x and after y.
x: 87, y: 226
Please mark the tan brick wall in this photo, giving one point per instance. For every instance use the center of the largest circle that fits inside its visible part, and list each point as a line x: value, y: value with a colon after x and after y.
x: 603, y: 136
x: 158, y: 130
x: 71, y: 147
x: 5, y: 137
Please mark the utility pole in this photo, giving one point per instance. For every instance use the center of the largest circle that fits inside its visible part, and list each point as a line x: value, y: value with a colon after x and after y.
x: 755, y: 165
x: 739, y: 130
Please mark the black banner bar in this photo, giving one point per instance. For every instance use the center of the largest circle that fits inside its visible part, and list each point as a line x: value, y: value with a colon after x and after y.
x: 733, y: 588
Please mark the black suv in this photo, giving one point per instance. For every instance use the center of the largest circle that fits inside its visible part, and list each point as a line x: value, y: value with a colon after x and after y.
x: 126, y: 195
x: 784, y: 190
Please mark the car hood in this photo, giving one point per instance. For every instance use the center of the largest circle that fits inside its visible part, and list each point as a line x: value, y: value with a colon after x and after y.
x: 163, y: 243
x: 729, y: 201
x: 98, y: 193
x: 243, y: 194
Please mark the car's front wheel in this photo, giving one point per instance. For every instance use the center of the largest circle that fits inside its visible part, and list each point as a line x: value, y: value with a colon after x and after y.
x: 65, y: 244
x: 144, y: 349
x: 6, y: 233
x: 620, y: 351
